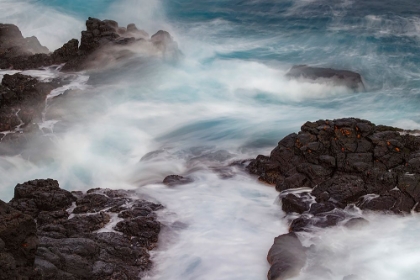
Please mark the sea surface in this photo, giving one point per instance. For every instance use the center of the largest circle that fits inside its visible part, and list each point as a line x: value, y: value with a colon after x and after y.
x: 130, y: 125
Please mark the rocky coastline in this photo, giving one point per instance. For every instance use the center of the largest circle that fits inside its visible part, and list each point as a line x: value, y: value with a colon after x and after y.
x: 328, y: 167
x: 331, y: 166
x: 49, y: 233
x: 102, y: 44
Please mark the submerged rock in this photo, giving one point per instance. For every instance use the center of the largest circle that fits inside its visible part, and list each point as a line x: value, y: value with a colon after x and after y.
x: 287, y: 257
x: 346, y: 78
x: 112, y: 242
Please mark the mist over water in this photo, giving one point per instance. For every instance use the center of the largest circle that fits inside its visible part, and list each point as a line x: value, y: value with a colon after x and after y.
x: 130, y: 125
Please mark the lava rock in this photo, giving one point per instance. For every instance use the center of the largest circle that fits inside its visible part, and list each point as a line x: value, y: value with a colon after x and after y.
x: 287, y: 257
x: 347, y: 163
x: 18, y: 243
x: 102, y: 41
x: 293, y: 203
x: 41, y: 195
x: 22, y: 99
x: 75, y: 244
x: 346, y: 78
x: 345, y: 159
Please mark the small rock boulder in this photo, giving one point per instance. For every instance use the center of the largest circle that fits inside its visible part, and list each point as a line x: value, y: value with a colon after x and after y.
x: 346, y: 78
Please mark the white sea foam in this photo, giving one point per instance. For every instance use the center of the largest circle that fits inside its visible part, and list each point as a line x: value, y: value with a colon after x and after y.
x: 218, y: 229
x: 384, y: 249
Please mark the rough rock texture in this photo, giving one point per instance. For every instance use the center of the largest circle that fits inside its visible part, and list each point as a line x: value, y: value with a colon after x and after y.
x: 342, y: 163
x: 103, y: 234
x: 347, y: 161
x: 102, y: 42
x: 22, y: 99
x: 18, y: 243
x: 13, y: 44
x: 346, y: 78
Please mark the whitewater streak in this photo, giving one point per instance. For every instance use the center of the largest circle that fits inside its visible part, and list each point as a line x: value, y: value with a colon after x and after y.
x: 226, y: 100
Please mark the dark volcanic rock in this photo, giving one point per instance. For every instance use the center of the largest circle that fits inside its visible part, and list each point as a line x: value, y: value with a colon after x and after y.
x: 41, y: 195
x: 343, y: 160
x: 102, y: 42
x: 293, y: 203
x: 346, y: 162
x: 18, y: 243
x: 346, y: 78
x: 70, y: 245
x: 22, y: 99
x: 18, y: 52
x: 287, y: 257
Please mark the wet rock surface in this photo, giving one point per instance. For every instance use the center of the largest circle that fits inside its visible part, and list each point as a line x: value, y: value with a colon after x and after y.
x: 331, y: 166
x: 102, y: 42
x: 108, y: 237
x: 22, y: 100
x: 346, y: 78
x: 18, y: 243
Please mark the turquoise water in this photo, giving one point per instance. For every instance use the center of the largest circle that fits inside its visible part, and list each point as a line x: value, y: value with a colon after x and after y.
x: 133, y: 124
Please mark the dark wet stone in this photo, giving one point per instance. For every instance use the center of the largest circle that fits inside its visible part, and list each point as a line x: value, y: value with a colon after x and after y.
x: 293, y: 203
x: 146, y: 229
x: 345, y: 162
x: 347, y: 78
x: 18, y: 243
x: 317, y: 208
x: 99, y: 43
x: 173, y: 180
x: 300, y: 224
x: 343, y: 189
x: 85, y: 224
x: 69, y: 246
x: 21, y: 100
x: 41, y: 195
x: 287, y: 257
x: 91, y: 203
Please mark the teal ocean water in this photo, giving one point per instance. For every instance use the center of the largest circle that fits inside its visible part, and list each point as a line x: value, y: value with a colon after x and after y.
x: 131, y: 125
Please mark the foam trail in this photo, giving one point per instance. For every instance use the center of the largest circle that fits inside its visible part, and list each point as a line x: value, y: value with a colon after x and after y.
x: 385, y: 249
x: 216, y: 229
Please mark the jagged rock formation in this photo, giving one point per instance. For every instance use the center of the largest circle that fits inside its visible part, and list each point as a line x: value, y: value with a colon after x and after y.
x: 345, y: 162
x: 21, y: 100
x: 346, y: 78
x: 287, y: 257
x: 101, y: 43
x: 13, y: 44
x: 18, y: 243
x: 106, y: 234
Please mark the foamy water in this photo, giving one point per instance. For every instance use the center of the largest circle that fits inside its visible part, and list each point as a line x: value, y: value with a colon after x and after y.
x: 131, y: 125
